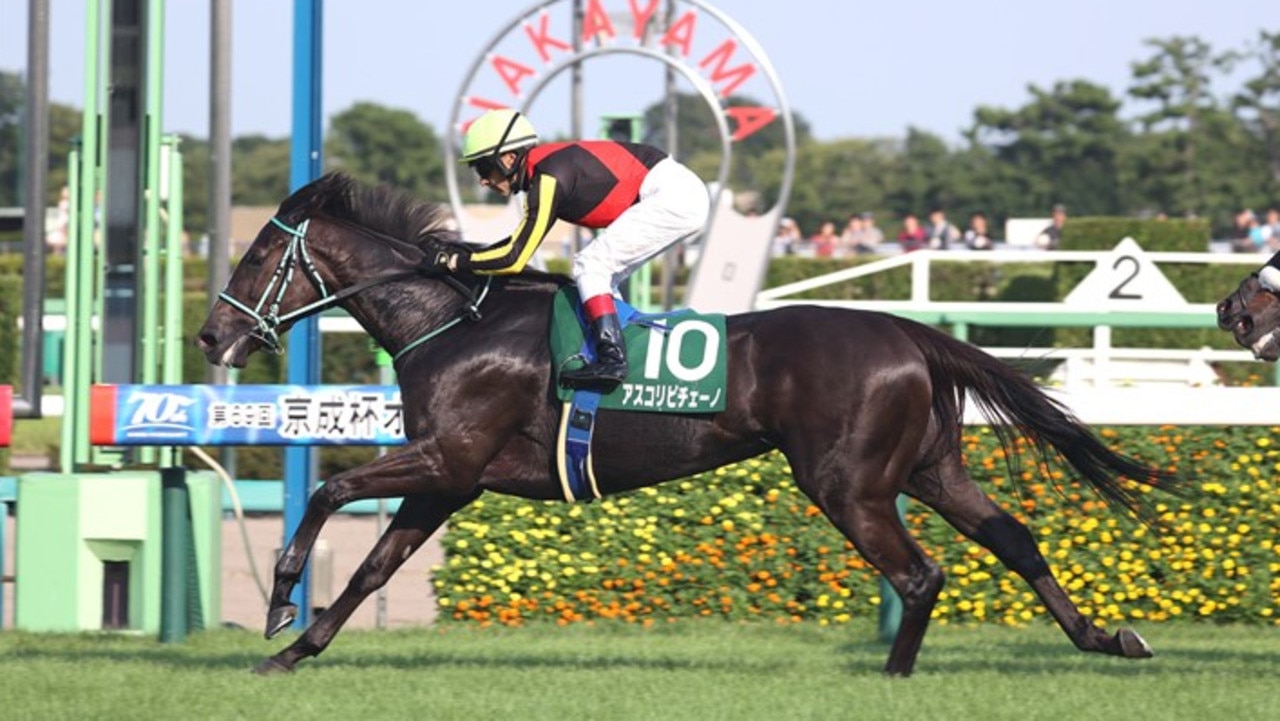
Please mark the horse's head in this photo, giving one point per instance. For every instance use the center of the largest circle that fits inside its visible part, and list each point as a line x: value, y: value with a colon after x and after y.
x: 316, y: 252
x: 1252, y: 313
x: 274, y: 279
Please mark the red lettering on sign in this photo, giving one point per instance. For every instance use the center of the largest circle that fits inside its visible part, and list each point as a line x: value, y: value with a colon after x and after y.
x: 481, y: 104
x: 596, y: 22
x: 640, y: 17
x: 681, y: 32
x: 511, y: 72
x: 542, y: 40
x: 720, y: 56
x: 749, y: 120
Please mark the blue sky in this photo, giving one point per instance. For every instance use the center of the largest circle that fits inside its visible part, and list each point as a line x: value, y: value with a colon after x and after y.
x: 852, y: 69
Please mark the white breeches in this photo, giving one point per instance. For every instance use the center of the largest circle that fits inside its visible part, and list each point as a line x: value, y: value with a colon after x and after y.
x: 674, y: 204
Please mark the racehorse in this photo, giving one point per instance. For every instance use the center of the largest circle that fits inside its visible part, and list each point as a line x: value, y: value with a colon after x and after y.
x: 1252, y: 312
x: 865, y: 406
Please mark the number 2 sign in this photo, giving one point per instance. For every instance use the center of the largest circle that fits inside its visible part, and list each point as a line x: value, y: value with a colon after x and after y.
x: 1126, y: 278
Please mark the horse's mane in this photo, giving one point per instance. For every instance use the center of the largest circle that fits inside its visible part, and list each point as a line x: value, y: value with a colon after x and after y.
x: 383, y: 208
x: 386, y: 209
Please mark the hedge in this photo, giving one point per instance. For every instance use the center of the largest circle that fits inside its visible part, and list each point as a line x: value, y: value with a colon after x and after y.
x: 742, y: 543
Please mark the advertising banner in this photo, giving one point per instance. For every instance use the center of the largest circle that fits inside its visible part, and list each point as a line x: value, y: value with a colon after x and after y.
x: 224, y: 415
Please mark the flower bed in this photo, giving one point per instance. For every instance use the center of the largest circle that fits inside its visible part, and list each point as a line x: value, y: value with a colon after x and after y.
x: 742, y: 542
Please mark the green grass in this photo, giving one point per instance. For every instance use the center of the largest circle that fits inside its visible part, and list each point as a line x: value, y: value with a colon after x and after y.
x: 694, y: 670
x: 36, y: 436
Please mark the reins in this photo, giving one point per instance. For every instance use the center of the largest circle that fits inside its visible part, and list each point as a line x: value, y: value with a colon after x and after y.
x: 296, y: 254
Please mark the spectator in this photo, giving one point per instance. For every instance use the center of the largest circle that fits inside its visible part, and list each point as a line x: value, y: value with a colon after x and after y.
x: 1051, y: 236
x: 1245, y: 222
x: 851, y: 237
x: 58, y: 232
x: 942, y: 234
x: 788, y: 239
x: 1273, y: 229
x: 977, y: 237
x: 825, y: 242
x: 870, y: 237
x: 912, y: 236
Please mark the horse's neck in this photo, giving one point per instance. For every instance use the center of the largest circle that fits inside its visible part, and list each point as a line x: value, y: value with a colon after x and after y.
x: 397, y: 313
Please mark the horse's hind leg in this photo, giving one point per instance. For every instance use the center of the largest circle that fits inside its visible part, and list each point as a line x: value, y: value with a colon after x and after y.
x: 861, y: 500
x: 415, y: 521
x: 962, y: 503
x: 399, y: 473
x: 877, y: 532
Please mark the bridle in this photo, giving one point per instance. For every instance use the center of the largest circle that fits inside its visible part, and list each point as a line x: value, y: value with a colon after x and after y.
x: 266, y: 312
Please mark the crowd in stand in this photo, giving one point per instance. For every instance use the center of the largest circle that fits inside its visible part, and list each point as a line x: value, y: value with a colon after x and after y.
x: 860, y: 235
x: 1257, y: 235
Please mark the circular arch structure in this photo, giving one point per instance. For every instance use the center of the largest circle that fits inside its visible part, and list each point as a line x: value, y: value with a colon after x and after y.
x: 535, y: 21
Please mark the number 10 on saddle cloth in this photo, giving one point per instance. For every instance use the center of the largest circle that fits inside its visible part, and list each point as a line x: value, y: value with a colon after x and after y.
x: 677, y: 360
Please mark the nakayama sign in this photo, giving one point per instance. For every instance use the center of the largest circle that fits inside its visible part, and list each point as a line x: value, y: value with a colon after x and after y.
x: 711, y: 51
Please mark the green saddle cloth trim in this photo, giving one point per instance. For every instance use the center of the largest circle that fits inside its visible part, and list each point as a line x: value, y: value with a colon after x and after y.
x: 677, y: 360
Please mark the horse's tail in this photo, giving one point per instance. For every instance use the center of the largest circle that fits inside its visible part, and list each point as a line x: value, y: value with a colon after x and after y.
x: 1015, y: 405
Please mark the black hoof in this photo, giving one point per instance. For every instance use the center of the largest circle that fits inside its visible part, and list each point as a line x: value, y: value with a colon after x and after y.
x: 278, y: 619
x: 271, y: 667
x: 1132, y: 645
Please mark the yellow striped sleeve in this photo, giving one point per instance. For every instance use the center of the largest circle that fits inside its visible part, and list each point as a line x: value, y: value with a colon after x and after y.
x: 515, y: 253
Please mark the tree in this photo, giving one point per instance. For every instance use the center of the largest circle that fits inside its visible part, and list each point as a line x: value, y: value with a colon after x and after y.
x: 1176, y: 84
x: 64, y: 126
x: 261, y: 170
x: 699, y: 144
x: 385, y: 145
x: 1258, y: 103
x: 1062, y: 147
x: 12, y: 101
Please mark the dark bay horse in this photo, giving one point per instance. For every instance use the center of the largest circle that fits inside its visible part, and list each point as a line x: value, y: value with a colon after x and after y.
x: 865, y: 406
x: 1252, y: 312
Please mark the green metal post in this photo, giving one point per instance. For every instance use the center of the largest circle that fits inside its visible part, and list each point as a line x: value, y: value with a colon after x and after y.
x: 175, y: 529
x: 890, y: 601
x: 171, y: 372
x: 81, y: 254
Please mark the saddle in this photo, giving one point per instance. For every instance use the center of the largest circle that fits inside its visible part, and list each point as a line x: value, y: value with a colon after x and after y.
x: 677, y: 365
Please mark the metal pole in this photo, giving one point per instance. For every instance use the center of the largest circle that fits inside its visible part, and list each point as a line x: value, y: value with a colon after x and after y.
x: 27, y: 405
x: 149, y: 336
x: 171, y: 365
x: 175, y: 526
x: 575, y: 100
x: 671, y: 121
x: 79, y: 351
x: 304, y: 343
x: 219, y: 157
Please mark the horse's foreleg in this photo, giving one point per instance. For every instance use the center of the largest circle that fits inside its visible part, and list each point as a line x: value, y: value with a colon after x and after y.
x: 965, y: 506
x: 415, y: 521
x: 399, y: 473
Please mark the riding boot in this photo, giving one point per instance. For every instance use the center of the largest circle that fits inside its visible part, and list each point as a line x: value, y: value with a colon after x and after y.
x: 610, y: 366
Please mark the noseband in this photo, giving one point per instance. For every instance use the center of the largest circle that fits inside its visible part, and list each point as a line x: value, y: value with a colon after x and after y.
x: 295, y: 255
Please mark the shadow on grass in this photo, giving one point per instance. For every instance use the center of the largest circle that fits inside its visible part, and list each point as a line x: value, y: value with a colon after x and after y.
x: 196, y: 655
x: 1034, y: 658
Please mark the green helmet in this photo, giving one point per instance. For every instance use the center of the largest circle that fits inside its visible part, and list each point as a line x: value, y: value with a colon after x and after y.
x: 497, y: 132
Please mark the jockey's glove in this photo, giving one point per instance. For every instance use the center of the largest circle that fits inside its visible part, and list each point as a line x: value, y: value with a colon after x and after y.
x: 449, y: 259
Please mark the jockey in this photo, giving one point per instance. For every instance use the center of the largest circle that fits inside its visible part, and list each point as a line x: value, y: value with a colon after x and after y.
x: 640, y: 199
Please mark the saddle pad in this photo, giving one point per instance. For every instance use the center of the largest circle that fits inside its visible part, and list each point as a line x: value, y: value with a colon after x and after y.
x: 676, y: 360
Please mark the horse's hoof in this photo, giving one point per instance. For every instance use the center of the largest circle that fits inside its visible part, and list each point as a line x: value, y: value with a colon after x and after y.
x: 271, y: 667
x: 1132, y: 645
x: 279, y: 618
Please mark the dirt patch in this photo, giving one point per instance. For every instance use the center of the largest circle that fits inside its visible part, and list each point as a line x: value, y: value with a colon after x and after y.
x: 349, y: 538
